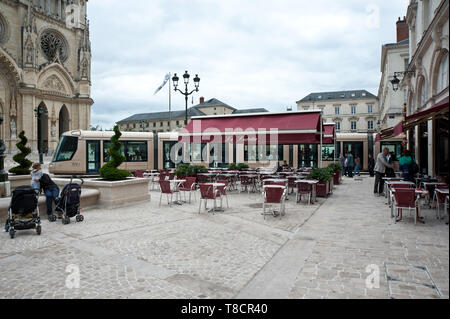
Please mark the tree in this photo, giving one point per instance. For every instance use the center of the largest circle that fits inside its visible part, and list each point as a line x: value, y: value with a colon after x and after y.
x: 20, y: 158
x: 109, y: 170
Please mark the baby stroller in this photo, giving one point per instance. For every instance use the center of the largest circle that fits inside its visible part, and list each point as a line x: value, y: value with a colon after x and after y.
x: 69, y: 202
x: 23, y: 212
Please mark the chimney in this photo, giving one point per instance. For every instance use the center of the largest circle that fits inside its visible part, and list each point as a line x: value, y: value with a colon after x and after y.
x: 202, y: 100
x: 402, y: 30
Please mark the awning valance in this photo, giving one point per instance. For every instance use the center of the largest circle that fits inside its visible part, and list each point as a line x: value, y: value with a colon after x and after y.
x: 329, y: 134
x: 289, y: 128
x: 436, y: 111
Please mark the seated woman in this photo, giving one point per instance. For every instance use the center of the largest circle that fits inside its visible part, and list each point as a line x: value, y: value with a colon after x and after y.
x: 36, y: 175
x: 51, y: 191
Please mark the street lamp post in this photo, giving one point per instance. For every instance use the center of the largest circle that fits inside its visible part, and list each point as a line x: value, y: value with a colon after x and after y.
x: 396, y: 81
x: 38, y: 112
x: 186, y: 93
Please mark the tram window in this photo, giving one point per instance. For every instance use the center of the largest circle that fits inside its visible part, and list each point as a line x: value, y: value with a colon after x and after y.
x: 108, y: 144
x: 66, y: 149
x: 136, y: 151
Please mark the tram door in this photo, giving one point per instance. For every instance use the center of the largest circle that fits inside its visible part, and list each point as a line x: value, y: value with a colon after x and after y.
x: 93, y: 156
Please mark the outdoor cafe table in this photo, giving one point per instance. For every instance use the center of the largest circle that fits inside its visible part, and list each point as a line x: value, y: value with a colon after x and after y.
x: 215, y: 185
x: 175, y: 185
x: 313, y: 183
x: 431, y: 186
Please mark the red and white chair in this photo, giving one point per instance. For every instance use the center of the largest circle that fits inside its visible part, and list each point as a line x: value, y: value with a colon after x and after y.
x: 223, y: 189
x: 165, y: 189
x: 274, y: 195
x: 439, y: 198
x: 304, y: 189
x: 406, y: 199
x: 188, y: 186
x: 209, y: 192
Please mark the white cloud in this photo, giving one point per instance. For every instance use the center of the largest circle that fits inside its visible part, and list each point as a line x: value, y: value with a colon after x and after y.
x: 252, y: 53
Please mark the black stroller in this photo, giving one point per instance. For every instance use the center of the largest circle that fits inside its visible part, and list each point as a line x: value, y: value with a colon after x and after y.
x: 69, y: 202
x: 23, y: 212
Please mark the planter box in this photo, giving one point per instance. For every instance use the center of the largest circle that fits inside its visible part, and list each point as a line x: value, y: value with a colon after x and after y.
x: 116, y: 193
x: 322, y: 190
x: 337, y: 178
x: 19, y: 180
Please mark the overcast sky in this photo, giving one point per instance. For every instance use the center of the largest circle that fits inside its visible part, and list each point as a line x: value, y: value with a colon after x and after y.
x: 248, y: 53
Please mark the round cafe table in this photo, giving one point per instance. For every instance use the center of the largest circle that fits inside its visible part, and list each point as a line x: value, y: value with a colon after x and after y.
x: 215, y: 185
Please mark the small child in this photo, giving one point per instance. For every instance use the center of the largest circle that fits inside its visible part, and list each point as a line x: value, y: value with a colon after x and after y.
x: 36, y: 175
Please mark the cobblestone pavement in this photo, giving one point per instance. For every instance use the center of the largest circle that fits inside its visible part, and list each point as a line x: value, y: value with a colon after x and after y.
x: 316, y: 251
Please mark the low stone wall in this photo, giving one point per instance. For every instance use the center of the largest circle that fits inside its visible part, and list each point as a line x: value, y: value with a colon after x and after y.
x: 118, y: 193
x: 89, y: 200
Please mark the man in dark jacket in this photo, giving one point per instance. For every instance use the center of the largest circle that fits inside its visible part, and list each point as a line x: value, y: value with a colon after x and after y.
x: 51, y: 191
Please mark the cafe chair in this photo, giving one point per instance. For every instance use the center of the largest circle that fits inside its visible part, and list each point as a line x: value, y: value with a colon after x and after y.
x: 406, y: 199
x: 165, y: 189
x: 188, y: 186
x: 274, y: 196
x: 207, y: 192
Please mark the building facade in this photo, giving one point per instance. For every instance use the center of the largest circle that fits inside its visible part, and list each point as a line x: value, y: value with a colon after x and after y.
x: 45, y: 71
x: 427, y: 83
x: 394, y: 58
x: 158, y: 122
x: 355, y: 115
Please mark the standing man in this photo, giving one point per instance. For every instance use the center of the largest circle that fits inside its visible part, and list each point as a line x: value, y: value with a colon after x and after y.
x: 350, y: 164
x: 380, y: 169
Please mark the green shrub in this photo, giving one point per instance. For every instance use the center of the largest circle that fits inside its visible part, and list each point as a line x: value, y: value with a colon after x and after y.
x: 336, y: 167
x: 184, y: 170
x: 232, y: 166
x: 20, y: 158
x: 323, y: 175
x: 242, y: 166
x: 109, y: 170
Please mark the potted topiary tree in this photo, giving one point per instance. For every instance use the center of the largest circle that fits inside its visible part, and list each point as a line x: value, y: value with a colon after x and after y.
x: 20, y: 158
x: 109, y: 170
x: 323, y: 175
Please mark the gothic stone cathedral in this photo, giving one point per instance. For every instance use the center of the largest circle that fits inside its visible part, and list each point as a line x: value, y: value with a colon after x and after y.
x: 45, y: 70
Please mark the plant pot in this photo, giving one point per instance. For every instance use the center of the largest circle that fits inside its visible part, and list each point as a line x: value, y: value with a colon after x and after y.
x: 322, y: 189
x: 337, y: 178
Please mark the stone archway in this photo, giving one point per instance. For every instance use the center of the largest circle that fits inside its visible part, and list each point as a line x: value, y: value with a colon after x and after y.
x: 42, y: 128
x: 64, y: 120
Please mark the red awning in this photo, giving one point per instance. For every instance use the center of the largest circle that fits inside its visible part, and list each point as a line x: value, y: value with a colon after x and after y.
x: 329, y: 135
x: 289, y: 128
x: 426, y: 115
x: 398, y: 129
x: 378, y: 137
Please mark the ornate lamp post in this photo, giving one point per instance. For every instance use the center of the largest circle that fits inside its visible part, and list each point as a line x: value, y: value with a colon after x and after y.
x: 38, y: 112
x: 186, y: 93
x: 3, y: 174
x: 396, y: 81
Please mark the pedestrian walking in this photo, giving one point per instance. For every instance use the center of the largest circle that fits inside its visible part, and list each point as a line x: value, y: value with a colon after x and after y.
x: 380, y: 169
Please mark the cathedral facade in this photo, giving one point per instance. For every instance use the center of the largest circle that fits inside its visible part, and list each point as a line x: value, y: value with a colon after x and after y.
x: 45, y: 71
